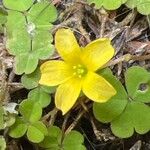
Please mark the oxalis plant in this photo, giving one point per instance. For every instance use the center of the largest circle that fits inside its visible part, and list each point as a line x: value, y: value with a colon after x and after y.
x: 142, y: 6
x: 78, y: 76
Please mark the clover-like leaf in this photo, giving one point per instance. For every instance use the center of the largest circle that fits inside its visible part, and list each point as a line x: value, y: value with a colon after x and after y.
x: 30, y: 110
x: 136, y: 114
x: 71, y: 141
x: 106, y: 112
x: 30, y: 81
x: 2, y: 143
x: 41, y: 14
x: 107, y: 4
x: 28, y: 35
x: 135, y: 78
x: 36, y: 132
x: 38, y: 95
x: 20, y: 5
x: 18, y: 129
x: 142, y: 6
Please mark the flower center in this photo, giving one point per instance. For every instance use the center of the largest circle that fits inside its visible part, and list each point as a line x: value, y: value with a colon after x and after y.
x: 79, y: 70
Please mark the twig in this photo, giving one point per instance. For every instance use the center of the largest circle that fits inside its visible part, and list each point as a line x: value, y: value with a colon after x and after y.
x: 51, y: 114
x: 127, y: 57
x: 74, y: 123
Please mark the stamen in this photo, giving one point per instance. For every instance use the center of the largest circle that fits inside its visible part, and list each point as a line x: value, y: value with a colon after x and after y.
x: 79, y: 70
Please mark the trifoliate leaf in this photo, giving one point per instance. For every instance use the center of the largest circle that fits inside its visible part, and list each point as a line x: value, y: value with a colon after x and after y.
x: 20, y: 5
x: 136, y: 116
x: 39, y: 96
x: 106, y: 112
x: 142, y: 6
x: 41, y: 14
x: 136, y: 77
x: 2, y: 143
x: 18, y: 129
x: 36, y: 132
x: 25, y: 63
x: 30, y: 110
x: 30, y: 81
x: 107, y: 4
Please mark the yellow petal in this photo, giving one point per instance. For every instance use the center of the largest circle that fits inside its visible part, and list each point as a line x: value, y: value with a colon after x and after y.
x: 97, y: 53
x: 54, y: 72
x: 67, y: 94
x: 66, y: 45
x: 97, y: 88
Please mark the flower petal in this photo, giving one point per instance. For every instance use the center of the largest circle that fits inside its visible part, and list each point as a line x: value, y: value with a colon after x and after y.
x: 97, y: 53
x: 66, y: 45
x: 97, y: 88
x: 54, y: 72
x: 67, y: 94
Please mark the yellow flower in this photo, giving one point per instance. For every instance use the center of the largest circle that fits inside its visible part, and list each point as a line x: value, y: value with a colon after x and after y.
x: 77, y: 71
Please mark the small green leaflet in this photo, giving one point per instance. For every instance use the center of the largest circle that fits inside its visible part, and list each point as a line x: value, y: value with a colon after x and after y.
x: 141, y: 5
x: 72, y: 141
x: 107, y: 4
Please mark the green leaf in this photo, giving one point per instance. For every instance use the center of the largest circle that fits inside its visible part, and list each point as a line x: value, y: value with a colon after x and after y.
x: 18, y: 129
x: 142, y: 6
x: 18, y: 40
x: 25, y: 63
x: 108, y: 4
x: 48, y: 89
x: 30, y: 81
x: 39, y: 96
x: 15, y: 21
x: 36, y: 132
x: 20, y: 5
x: 131, y: 3
x: 135, y: 76
x: 41, y: 14
x: 52, y: 140
x: 41, y: 44
x: 2, y: 143
x: 30, y: 110
x: 106, y: 112
x: 73, y: 140
x: 136, y: 116
x: 19, y: 43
